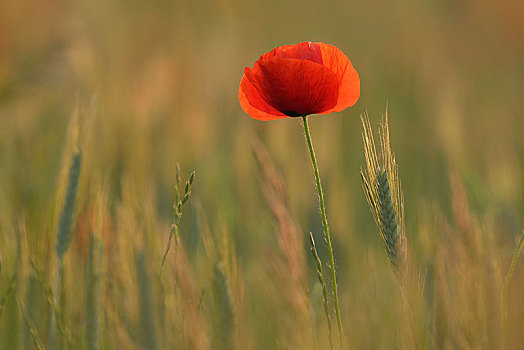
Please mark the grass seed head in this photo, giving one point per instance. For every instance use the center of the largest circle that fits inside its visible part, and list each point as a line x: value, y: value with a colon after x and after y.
x: 383, y: 192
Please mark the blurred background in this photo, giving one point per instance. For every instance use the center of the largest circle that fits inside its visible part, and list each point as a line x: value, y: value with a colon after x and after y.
x: 165, y: 76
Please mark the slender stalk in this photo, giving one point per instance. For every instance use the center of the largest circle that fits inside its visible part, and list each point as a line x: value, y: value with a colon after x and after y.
x: 327, y: 236
x: 504, y: 287
x: 179, y: 203
x: 320, y: 276
x: 514, y: 261
x: 51, y: 340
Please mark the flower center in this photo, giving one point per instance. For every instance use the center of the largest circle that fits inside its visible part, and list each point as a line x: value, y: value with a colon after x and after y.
x: 292, y: 114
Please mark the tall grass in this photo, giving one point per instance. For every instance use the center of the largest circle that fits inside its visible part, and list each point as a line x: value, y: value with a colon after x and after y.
x: 288, y: 262
x: 204, y: 298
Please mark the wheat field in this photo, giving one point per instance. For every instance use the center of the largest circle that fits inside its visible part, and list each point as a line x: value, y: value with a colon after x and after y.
x: 141, y: 208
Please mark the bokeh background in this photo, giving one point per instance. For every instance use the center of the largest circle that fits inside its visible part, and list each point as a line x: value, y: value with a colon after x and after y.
x: 164, y: 76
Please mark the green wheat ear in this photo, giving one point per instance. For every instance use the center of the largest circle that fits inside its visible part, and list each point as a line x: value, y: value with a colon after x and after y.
x: 383, y: 192
x: 66, y: 218
x: 63, y: 239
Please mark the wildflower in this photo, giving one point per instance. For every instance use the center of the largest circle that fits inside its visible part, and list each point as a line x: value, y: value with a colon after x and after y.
x: 299, y: 80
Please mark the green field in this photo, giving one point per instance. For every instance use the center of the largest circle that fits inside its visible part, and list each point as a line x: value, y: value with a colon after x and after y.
x: 100, y: 100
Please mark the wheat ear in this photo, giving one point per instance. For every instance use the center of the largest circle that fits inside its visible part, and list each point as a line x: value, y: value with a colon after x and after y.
x: 63, y: 237
x: 383, y: 192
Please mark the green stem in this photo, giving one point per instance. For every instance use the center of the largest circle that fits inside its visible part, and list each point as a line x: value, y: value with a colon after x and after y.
x: 327, y: 236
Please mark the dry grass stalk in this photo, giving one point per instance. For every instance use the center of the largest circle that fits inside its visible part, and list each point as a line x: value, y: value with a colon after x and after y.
x: 226, y: 292
x: 464, y: 219
x: 93, y: 293
x: 224, y: 313
x: 513, y: 261
x: 147, y: 312
x: 467, y: 306
x: 36, y: 340
x: 504, y: 289
x: 291, y: 268
x: 194, y: 328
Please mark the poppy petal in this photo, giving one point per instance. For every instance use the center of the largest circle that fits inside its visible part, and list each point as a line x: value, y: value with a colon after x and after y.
x: 305, y: 51
x: 348, y: 78
x: 295, y: 86
x: 254, y: 105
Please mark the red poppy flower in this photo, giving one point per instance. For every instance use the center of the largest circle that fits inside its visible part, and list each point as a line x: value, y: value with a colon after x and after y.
x: 299, y: 80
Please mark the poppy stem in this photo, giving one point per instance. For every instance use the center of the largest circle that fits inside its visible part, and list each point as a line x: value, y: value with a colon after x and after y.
x: 327, y: 236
